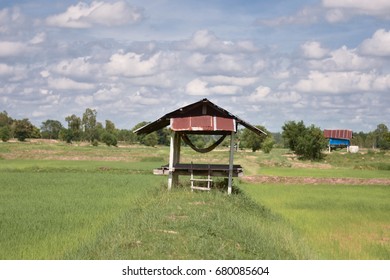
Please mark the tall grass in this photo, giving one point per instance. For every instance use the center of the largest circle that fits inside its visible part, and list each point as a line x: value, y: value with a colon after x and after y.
x: 46, y: 215
x: 75, y: 215
x: 185, y: 225
x: 339, y: 222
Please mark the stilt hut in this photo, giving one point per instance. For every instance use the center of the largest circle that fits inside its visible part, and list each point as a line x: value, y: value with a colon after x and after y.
x: 338, y: 138
x: 205, y: 118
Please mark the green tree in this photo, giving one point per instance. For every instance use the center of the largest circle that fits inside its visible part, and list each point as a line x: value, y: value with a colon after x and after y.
x: 74, y: 127
x: 150, y: 139
x: 5, y: 133
x: 23, y: 129
x: 89, y: 124
x: 307, y: 142
x: 163, y: 137
x: 291, y: 133
x: 110, y: 127
x: 311, y: 144
x: 249, y: 139
x: 109, y: 139
x: 5, y: 120
x: 127, y: 136
x: 5, y: 126
x: 50, y: 129
x: 381, y: 137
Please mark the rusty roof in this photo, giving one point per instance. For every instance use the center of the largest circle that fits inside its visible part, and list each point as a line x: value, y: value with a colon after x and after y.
x: 338, y: 133
x: 200, y: 108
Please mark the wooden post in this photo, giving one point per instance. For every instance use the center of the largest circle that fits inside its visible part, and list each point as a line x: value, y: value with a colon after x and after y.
x: 171, y: 153
x: 231, y: 163
x: 174, y: 157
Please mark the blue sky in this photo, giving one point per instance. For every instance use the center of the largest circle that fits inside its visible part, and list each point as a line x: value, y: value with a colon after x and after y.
x: 324, y: 62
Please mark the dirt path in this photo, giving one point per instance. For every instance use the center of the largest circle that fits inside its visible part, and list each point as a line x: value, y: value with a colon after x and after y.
x: 315, y: 181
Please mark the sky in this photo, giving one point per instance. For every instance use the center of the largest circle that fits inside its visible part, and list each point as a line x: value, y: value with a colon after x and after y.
x: 324, y: 62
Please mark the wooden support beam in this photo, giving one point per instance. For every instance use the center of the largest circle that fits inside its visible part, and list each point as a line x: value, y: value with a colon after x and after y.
x: 231, y: 157
x: 170, y: 164
x: 174, y: 158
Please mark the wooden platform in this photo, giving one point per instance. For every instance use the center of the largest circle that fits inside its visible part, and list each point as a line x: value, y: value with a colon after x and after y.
x: 216, y: 170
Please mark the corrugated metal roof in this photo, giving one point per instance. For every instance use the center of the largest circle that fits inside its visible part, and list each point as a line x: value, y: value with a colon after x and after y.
x: 203, y: 107
x: 203, y: 123
x: 338, y: 133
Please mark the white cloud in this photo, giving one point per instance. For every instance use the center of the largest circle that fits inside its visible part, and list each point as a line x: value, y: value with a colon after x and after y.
x: 10, y: 20
x: 39, y: 38
x: 307, y: 15
x: 68, y: 84
x: 344, y: 59
x: 264, y: 94
x: 378, y: 44
x: 230, y: 80
x: 83, y: 15
x: 205, y: 40
x: 13, y: 72
x: 313, y: 49
x: 105, y: 94
x: 259, y: 94
x: 12, y: 48
x: 134, y: 65
x: 335, y: 15
x: 340, y: 10
x: 84, y: 100
x: 78, y: 67
x: 342, y: 82
x: 202, y: 88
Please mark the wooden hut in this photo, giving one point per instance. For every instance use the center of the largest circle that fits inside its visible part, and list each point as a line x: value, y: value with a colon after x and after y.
x: 206, y: 118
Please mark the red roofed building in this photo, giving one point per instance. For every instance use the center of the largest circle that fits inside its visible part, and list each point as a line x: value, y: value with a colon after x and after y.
x: 338, y: 138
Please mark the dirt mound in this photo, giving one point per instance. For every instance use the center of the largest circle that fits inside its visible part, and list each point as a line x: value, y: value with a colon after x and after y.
x: 315, y: 181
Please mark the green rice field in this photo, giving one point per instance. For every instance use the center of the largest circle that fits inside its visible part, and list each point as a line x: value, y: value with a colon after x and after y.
x: 61, y: 201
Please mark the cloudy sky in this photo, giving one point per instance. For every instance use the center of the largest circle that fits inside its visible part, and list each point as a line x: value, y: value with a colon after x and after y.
x: 324, y: 62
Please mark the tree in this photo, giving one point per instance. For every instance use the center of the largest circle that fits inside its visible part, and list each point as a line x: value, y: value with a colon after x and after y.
x: 150, y: 139
x: 5, y: 126
x: 110, y: 127
x: 50, y: 129
x: 381, y: 137
x: 163, y: 136
x: 23, y: 129
x: 127, y: 136
x: 109, y: 139
x: 306, y: 142
x: 291, y: 133
x: 249, y: 139
x: 5, y: 133
x: 89, y: 124
x: 74, y: 129
x: 5, y: 120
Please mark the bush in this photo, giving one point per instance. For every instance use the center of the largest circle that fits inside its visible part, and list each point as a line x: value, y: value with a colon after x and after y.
x: 109, y: 139
x: 5, y: 133
x: 95, y: 143
x: 267, y: 145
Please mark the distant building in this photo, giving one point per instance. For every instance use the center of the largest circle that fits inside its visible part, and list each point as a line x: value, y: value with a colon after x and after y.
x: 338, y: 138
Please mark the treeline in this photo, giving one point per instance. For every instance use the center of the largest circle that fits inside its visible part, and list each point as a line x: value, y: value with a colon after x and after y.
x: 79, y: 128
x: 295, y: 135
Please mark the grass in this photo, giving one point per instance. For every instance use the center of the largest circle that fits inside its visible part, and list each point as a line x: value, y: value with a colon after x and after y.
x: 324, y: 173
x: 60, y: 201
x: 46, y: 215
x: 338, y: 222
x: 186, y: 225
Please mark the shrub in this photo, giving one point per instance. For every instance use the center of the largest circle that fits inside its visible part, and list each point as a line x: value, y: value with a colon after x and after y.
x: 5, y: 133
x: 109, y: 139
